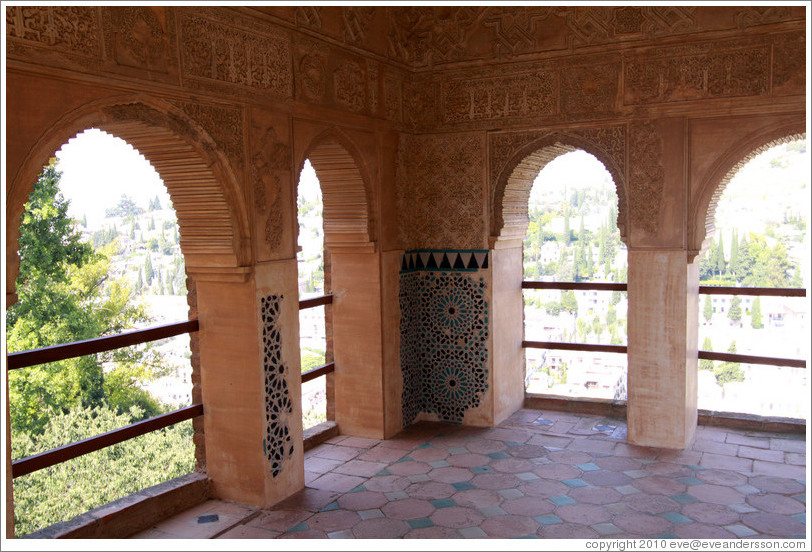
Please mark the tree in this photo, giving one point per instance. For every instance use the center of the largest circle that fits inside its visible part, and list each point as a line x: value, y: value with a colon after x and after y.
x: 126, y: 208
x: 720, y: 257
x: 148, y: 271
x: 755, y: 314
x: 729, y: 371
x: 568, y: 301
x: 734, y: 313
x: 705, y: 364
x: 707, y: 310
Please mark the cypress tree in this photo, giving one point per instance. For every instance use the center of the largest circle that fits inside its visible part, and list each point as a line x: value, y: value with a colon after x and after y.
x: 705, y: 364
x: 707, y: 311
x: 755, y: 314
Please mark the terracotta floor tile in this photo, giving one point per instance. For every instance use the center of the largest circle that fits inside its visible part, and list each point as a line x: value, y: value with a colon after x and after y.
x: 713, y: 514
x: 544, y: 488
x: 568, y: 531
x: 336, y: 452
x: 512, y: 465
x: 457, y: 517
x: 715, y: 447
x: 643, y: 524
x: 780, y: 485
x: 776, y: 504
x: 596, y: 495
x: 593, y: 446
x: 634, y: 451
x: 651, y: 503
x: 761, y: 454
x: 528, y: 506
x: 680, y: 456
x: 409, y: 467
x: 618, y: 463
x: 558, y: 472
x: 668, y: 469
x: 359, y: 442
x: 495, y: 481
x: 429, y: 454
x: 702, y: 531
x: 380, y: 528
x: 309, y: 499
x: 333, y: 520
x: 508, y: 527
x: 307, y: 534
x: 727, y: 478
x: 477, y: 498
x: 776, y: 525
x: 360, y: 468
x: 153, y: 534
x: 408, y: 508
x: 715, y: 494
x: 779, y: 470
x: 556, y: 441
x: 363, y: 500
x: 387, y: 483
x: 430, y: 490
x: 279, y: 520
x: 571, y: 457
x: 247, y: 532
x: 337, y: 482
x: 527, y: 451
x: 468, y: 460
x: 382, y: 454
x: 606, y: 478
x: 436, y: 532
x: 450, y: 474
x: 711, y: 460
x: 320, y: 465
x: 584, y: 514
x: 748, y: 440
x: 795, y: 458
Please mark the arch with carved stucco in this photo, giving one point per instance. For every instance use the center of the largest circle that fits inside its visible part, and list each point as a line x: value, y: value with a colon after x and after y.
x: 509, y: 216
x: 198, y: 176
x: 346, y: 196
x: 704, y: 202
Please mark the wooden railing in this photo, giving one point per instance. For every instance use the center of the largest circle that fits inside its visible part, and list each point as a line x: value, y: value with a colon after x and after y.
x: 25, y: 359
x: 330, y: 367
x: 703, y: 290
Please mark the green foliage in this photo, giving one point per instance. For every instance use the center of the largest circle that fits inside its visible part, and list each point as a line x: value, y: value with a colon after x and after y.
x: 68, y: 489
x: 705, y: 364
x: 755, y: 314
x: 312, y: 358
x: 734, y: 313
x: 707, y: 310
x: 728, y: 372
x: 126, y: 208
x: 568, y: 301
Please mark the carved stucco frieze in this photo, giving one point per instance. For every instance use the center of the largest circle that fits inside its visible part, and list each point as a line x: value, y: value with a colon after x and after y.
x: 645, y: 176
x: 271, y: 154
x: 140, y: 37
x: 393, y: 98
x: 220, y: 52
x: 356, y: 21
x: 223, y: 124
x: 74, y: 29
x: 350, y: 85
x: 590, y: 89
x: 311, y: 73
x: 439, y: 191
x: 308, y: 16
x: 789, y: 57
x: 697, y: 72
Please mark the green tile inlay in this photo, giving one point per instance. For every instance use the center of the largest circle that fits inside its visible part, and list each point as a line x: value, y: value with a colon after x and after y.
x: 443, y: 503
x: 424, y: 445
x: 300, y: 527
x: 419, y: 523
x: 498, y: 455
x: 683, y: 498
x: 589, y: 466
x: 689, y: 480
x: 800, y: 517
x: 511, y: 443
x: 332, y: 506
x: 548, y: 519
x: 562, y: 500
x: 482, y: 469
x: 404, y: 459
x: 358, y: 489
x: 384, y: 472
x: 666, y: 536
x: 463, y: 486
x: 575, y: 483
x: 675, y: 517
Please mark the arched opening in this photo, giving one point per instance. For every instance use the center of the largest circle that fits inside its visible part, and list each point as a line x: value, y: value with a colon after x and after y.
x: 99, y: 252
x: 211, y: 216
x: 351, y: 269
x: 757, y: 238
x: 573, y: 236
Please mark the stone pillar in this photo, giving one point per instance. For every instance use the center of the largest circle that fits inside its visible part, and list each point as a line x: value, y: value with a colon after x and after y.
x: 662, y: 348
x: 251, y: 382
x: 357, y: 342
x: 507, y: 322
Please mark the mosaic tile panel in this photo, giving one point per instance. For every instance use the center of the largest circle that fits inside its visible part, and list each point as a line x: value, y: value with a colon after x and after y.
x: 444, y: 333
x: 278, y: 442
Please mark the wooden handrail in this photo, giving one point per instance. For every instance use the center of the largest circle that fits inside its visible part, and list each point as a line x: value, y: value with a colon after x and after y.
x: 24, y: 359
x: 703, y: 290
x: 318, y: 371
x: 771, y: 292
x: 749, y: 359
x: 315, y: 301
x: 55, y: 456
x: 574, y: 346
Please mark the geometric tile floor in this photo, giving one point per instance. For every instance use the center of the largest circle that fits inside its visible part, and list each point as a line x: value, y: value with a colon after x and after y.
x: 537, y: 475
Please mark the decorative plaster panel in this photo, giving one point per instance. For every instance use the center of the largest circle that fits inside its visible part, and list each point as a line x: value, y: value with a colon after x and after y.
x: 270, y: 161
x: 74, y: 29
x: 439, y: 191
x: 444, y: 333
x: 141, y: 37
x: 223, y: 124
x: 646, y: 175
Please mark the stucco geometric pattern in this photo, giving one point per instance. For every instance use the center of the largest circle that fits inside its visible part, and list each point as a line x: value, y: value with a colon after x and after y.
x: 437, y: 176
x: 69, y: 28
x: 223, y: 124
x: 444, y: 333
x: 278, y: 442
x: 139, y: 37
x: 646, y: 176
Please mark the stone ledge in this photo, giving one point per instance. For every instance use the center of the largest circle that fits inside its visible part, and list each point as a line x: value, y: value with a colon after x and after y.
x: 133, y: 513
x: 319, y: 433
